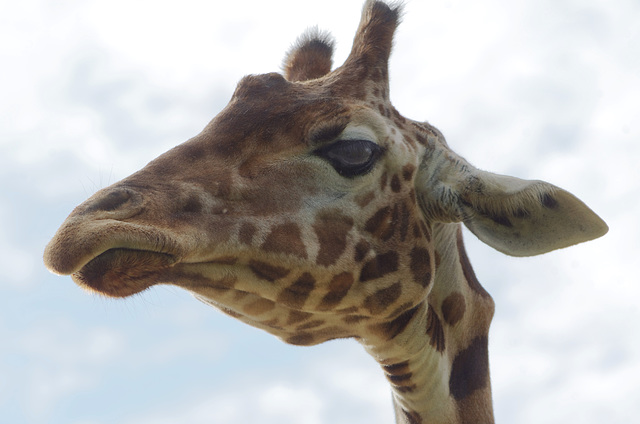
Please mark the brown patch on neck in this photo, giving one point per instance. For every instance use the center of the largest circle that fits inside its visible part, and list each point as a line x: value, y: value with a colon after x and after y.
x: 453, y: 308
x: 379, y: 266
x: 382, y: 299
x: 268, y: 272
x: 470, y: 369
x: 393, y: 328
x: 435, y: 330
x: 383, y: 223
x: 296, y: 295
x: 412, y: 417
x: 338, y: 289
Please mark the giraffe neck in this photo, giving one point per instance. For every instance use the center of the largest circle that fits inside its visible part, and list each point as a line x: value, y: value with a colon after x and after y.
x: 437, y: 364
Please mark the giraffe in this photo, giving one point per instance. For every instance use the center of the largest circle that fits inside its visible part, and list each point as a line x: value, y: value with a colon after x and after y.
x: 311, y: 208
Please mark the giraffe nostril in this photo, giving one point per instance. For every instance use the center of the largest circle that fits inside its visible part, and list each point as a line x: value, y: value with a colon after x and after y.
x: 110, y: 202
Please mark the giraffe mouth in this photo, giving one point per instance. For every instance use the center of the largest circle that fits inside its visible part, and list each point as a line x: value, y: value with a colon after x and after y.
x: 122, y: 272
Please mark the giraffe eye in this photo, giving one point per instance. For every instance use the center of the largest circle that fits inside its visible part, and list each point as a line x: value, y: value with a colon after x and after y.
x: 351, y: 158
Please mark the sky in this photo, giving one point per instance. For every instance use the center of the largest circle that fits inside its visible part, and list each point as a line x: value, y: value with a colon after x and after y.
x: 90, y: 91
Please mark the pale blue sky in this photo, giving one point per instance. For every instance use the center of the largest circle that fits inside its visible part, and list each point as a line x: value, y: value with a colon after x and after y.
x: 90, y: 91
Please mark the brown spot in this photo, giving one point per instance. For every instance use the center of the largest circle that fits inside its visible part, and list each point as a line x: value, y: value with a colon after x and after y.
x: 354, y: 319
x: 400, y: 124
x: 331, y: 228
x: 548, y: 201
x: 258, y: 307
x: 401, y: 380
x: 337, y: 290
x: 381, y: 109
x: 302, y: 339
x: 412, y: 417
x: 247, y: 231
x: 285, y: 238
x: 396, y: 185
x: 296, y: 294
x: 397, y: 369
x: 383, y: 223
x: 238, y: 295
x: 407, y: 171
x: 349, y: 310
x: 364, y: 199
x: 297, y: 316
x: 380, y: 300
x: 361, y: 250
x: 397, y: 115
x: 400, y: 309
x: 422, y: 139
x: 470, y: 369
x: 268, y: 272
x: 400, y: 376
x: 396, y: 326
x: 192, y: 205
x: 379, y: 266
x: 501, y: 220
x: 453, y: 308
x: 311, y: 324
x: 435, y: 330
x: 417, y: 231
x: 404, y: 221
x: 521, y: 213
x: 467, y: 270
x: 421, y: 266
x: 410, y: 141
x: 272, y: 323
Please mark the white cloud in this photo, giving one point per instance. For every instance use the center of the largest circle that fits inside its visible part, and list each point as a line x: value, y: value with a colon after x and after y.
x: 339, y: 390
x: 63, y: 360
x: 91, y: 91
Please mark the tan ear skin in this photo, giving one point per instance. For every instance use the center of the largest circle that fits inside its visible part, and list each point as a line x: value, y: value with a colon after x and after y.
x: 516, y: 217
x: 526, y: 218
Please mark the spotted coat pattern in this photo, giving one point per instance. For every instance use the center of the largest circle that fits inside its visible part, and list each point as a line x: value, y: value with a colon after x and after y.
x: 310, y: 208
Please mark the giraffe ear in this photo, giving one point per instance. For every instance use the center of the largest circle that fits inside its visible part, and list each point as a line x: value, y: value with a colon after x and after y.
x: 516, y: 217
x: 526, y: 218
x: 310, y: 56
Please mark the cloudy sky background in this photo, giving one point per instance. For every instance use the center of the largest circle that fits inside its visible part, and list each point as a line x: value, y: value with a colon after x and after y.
x: 90, y: 91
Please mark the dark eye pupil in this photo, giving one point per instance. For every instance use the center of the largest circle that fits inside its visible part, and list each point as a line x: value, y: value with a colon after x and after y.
x: 351, y: 157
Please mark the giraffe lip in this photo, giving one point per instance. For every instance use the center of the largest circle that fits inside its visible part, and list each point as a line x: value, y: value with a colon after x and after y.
x: 122, y: 272
x: 80, y: 241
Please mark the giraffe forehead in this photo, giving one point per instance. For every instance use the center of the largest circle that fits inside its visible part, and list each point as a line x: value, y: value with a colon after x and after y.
x: 267, y: 108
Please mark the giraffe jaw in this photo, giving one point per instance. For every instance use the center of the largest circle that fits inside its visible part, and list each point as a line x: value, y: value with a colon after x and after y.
x: 122, y: 272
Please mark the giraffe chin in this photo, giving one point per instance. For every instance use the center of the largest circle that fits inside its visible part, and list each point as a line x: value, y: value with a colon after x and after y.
x: 123, y: 272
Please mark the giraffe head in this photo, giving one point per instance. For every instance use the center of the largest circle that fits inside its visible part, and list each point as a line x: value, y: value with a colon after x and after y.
x: 307, y: 206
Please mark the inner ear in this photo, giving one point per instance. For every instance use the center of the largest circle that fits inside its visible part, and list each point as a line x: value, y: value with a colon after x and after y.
x: 310, y: 57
